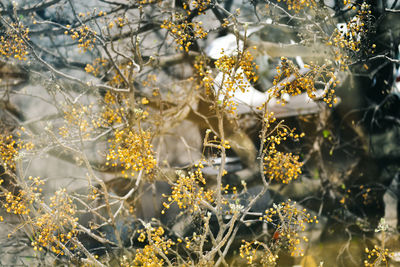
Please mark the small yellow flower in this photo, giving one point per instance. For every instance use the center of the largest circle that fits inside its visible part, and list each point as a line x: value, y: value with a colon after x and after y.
x: 145, y: 101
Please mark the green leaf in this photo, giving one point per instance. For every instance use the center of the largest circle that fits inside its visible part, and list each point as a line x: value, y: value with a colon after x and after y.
x: 326, y: 133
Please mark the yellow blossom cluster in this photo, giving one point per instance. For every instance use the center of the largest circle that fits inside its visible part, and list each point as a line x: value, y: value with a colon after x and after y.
x: 188, y: 193
x: 81, y: 118
x: 102, y: 13
x: 123, y: 75
x: 298, y: 5
x: 377, y: 256
x: 199, y: 5
x: 293, y: 81
x: 51, y: 226
x: 88, y: 14
x: 184, y: 32
x: 289, y: 222
x: 158, y: 243
x: 233, y: 190
x: 12, y: 43
x: 9, y: 150
x: 244, y: 60
x: 349, y: 38
x: 132, y: 150
x: 55, y: 226
x: 92, y: 14
x: 93, y: 193
x: 114, y: 110
x: 85, y: 120
x: 225, y: 23
x: 269, y: 118
x: 145, y: 2
x: 281, y: 166
x: 247, y: 64
x: 120, y: 22
x: 248, y: 251
x: 203, y: 75
x: 215, y: 142
x: 85, y: 36
x: 94, y: 68
x: 238, y: 70
x: 18, y: 204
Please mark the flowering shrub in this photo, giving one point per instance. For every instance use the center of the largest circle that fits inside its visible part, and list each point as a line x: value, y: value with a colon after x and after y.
x: 163, y: 168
